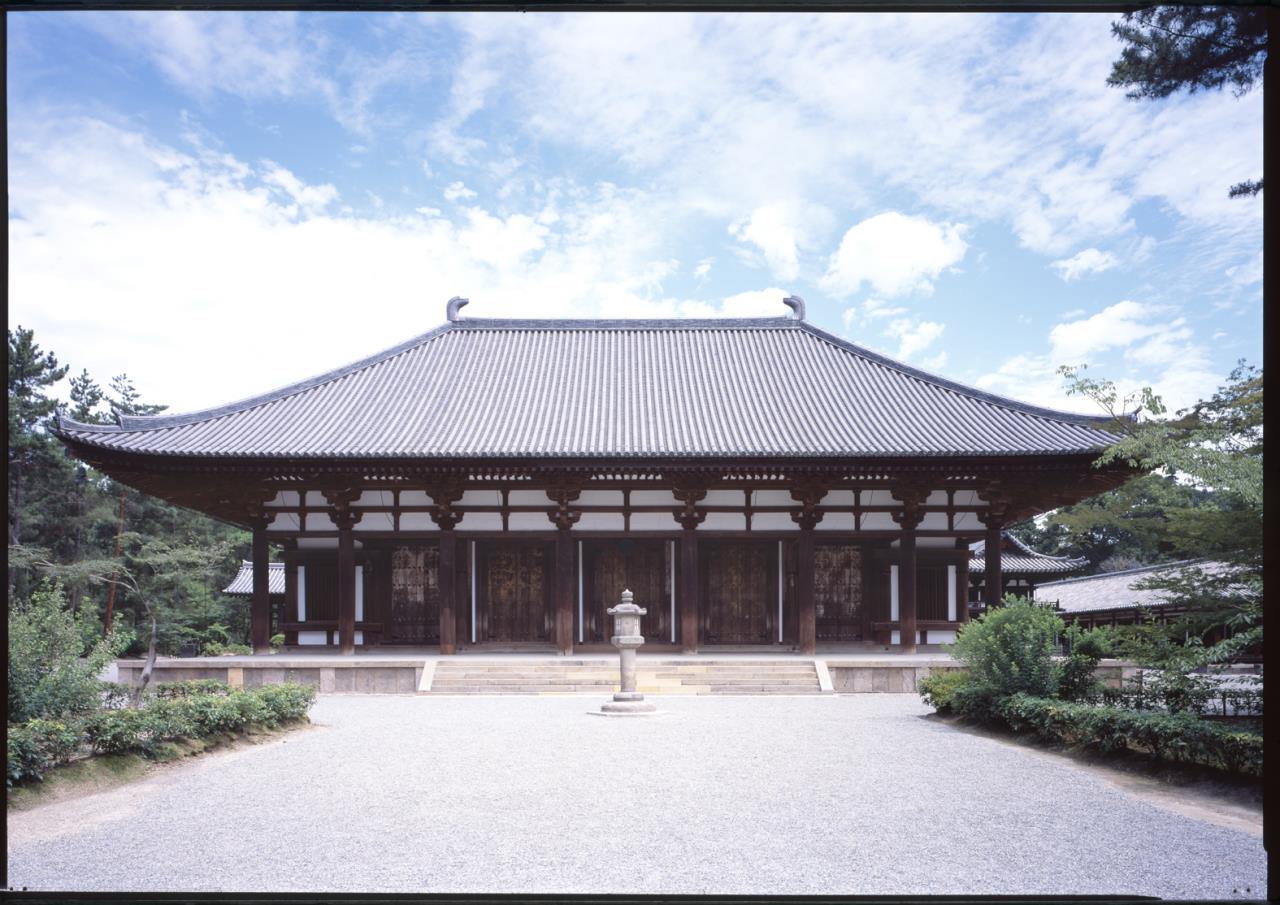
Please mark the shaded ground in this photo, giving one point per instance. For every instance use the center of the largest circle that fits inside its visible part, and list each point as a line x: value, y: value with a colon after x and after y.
x: 837, y: 794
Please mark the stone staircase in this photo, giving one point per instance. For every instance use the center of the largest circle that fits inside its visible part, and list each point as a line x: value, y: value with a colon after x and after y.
x: 599, y: 676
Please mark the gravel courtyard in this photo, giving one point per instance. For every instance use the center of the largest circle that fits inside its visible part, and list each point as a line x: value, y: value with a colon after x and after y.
x: 856, y: 794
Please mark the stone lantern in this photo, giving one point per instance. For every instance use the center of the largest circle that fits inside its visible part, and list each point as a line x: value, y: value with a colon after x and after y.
x: 626, y: 638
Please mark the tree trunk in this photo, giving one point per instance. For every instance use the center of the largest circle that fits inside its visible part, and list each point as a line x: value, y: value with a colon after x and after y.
x: 149, y: 665
x: 15, y: 517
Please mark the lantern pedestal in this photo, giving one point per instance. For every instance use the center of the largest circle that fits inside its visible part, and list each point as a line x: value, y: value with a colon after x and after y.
x: 626, y: 638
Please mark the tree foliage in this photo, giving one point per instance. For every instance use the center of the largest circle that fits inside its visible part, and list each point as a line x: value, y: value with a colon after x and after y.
x: 1196, y: 48
x: 64, y: 518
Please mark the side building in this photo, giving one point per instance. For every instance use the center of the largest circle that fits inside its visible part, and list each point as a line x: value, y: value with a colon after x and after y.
x: 1023, y: 567
x: 499, y: 482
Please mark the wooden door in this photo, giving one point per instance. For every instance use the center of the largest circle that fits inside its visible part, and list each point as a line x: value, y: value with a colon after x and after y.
x: 640, y: 566
x: 415, y: 595
x: 514, y: 591
x: 739, y: 592
x: 837, y: 591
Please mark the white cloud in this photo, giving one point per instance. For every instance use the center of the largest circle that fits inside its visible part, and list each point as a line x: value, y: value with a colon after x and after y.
x: 1116, y: 326
x: 753, y: 303
x: 1091, y: 260
x: 894, y: 254
x: 455, y: 191
x: 777, y: 230
x: 703, y: 268
x: 310, y: 198
x: 913, y: 336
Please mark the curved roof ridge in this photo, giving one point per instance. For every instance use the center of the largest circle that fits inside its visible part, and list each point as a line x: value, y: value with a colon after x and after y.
x: 1159, y: 567
x: 956, y: 386
x: 159, y: 422
x: 770, y: 322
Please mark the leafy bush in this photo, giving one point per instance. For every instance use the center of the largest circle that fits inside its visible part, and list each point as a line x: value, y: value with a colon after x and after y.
x: 51, y: 673
x: 34, y: 747
x: 287, y: 702
x: 937, y: 689
x: 277, y: 641
x: 1076, y: 680
x: 189, y: 687
x: 117, y: 731
x: 1009, y: 649
x: 1177, y: 737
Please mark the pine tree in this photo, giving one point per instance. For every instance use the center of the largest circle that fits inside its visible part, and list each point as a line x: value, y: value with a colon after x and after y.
x: 32, y: 372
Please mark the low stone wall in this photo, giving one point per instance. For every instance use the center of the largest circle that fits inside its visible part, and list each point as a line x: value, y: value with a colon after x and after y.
x: 882, y: 677
x: 352, y: 677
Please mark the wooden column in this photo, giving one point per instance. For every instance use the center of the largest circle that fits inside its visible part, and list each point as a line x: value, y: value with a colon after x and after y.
x: 908, y: 519
x: 962, y: 582
x: 689, y: 616
x: 565, y: 584
x: 346, y: 584
x: 447, y: 566
x: 993, y: 581
x: 446, y: 519
x: 290, y: 611
x: 345, y: 518
x: 690, y: 517
x: 807, y: 517
x: 260, y: 611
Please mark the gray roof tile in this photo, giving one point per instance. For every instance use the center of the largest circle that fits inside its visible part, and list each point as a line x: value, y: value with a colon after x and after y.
x: 761, y: 387
x: 242, y: 584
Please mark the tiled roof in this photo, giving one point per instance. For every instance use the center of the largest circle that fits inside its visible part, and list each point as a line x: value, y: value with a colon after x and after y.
x: 242, y: 584
x: 759, y: 387
x: 1114, y: 590
x: 1017, y: 558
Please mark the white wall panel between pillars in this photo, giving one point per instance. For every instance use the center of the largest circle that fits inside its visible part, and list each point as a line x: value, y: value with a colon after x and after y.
x: 877, y: 498
x: 320, y: 521
x: 600, y: 521
x: 359, y: 595
x: 773, y: 521
x: 772, y: 498
x: 780, y: 574
x: 893, y: 594
x: 375, y: 521
x: 285, y: 498
x: 944, y: 543
x: 951, y: 593
x: 528, y: 498
x: 415, y: 498
x: 417, y: 521
x: 724, y: 521
x: 284, y: 521
x: 485, y: 521
x: 672, y: 578
x: 933, y: 521
x: 838, y: 498
x: 654, y: 498
x: 936, y: 498
x: 968, y: 521
x: 580, y: 592
x: 836, y: 521
x: 302, y: 594
x: 530, y: 521
x: 653, y: 521
x: 969, y: 498
x: 313, y: 637
x: 942, y: 637
x: 374, y: 498
x: 317, y: 543
x: 471, y: 565
x: 488, y: 498
x: 600, y: 498
x: 724, y: 498
x: 878, y: 521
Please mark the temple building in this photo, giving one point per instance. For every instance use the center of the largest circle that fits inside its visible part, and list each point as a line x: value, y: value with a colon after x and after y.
x: 498, y: 483
x: 1023, y: 568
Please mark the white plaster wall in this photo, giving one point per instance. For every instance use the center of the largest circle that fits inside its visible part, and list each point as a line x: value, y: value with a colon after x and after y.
x: 947, y: 542
x: 487, y: 497
x: 877, y: 498
x: 653, y: 498
x: 376, y: 521
x: 936, y: 498
x: 772, y: 521
x: 530, y: 521
x: 601, y: 498
x: 947, y: 637
x: 317, y: 543
x: 838, y: 498
x: 284, y: 521
x: 417, y: 521
x: 600, y: 521
x: 724, y: 521
x: 772, y: 498
x: 528, y: 498
x: 415, y: 498
x: 968, y: 498
x: 836, y: 521
x: 320, y: 521
x: 313, y: 637
x: 285, y: 498
x: 654, y: 521
x: 878, y: 521
x: 375, y: 498
x: 482, y: 521
x: 725, y: 498
x: 967, y: 521
x: 933, y: 521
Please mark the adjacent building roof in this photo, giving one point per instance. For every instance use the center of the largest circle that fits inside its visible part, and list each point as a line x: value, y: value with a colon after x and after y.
x: 476, y: 388
x: 1115, y: 590
x: 1018, y: 558
x: 242, y: 584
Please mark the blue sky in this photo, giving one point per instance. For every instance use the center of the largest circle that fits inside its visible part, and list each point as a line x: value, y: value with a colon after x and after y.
x: 222, y: 203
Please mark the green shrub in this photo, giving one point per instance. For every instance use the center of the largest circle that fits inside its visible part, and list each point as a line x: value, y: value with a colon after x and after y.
x: 277, y: 641
x: 1010, y: 649
x: 1076, y: 680
x: 189, y: 687
x: 34, y: 747
x: 52, y: 674
x: 287, y: 702
x: 1177, y: 737
x: 937, y: 689
x: 117, y: 731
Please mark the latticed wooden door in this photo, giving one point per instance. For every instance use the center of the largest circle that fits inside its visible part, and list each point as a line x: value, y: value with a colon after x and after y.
x: 515, y: 591
x: 638, y: 566
x: 415, y: 595
x: 739, y: 592
x: 837, y: 592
